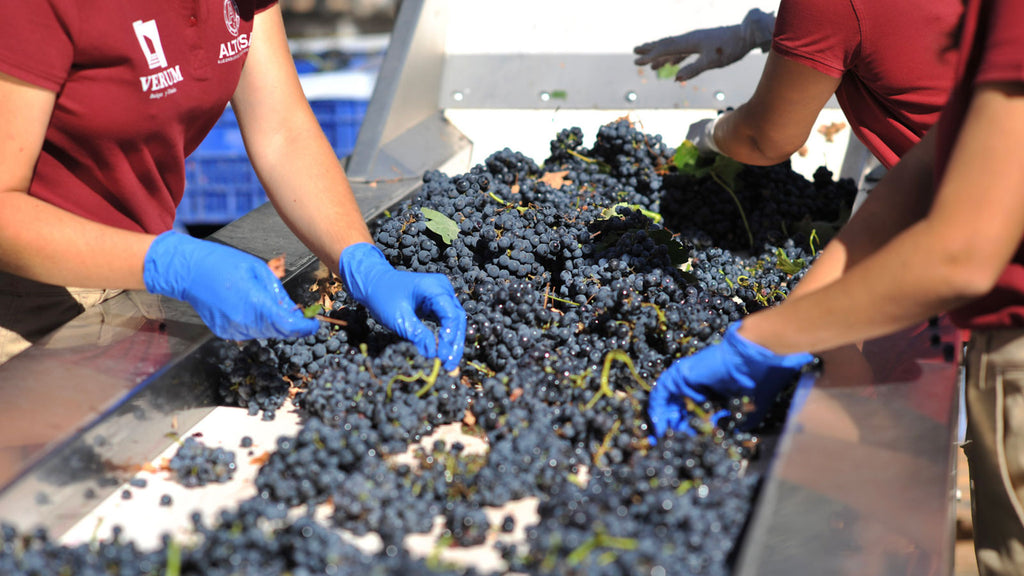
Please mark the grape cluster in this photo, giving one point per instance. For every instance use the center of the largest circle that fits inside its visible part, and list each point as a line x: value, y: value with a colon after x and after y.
x: 254, y: 539
x: 583, y: 278
x: 777, y: 203
x: 196, y: 464
x: 402, y: 395
x: 251, y: 373
x: 679, y: 507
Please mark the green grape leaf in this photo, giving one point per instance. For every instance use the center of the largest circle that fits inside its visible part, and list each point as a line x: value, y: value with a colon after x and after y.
x: 312, y: 310
x: 441, y: 225
x: 677, y: 253
x: 668, y: 72
x: 726, y: 169
x: 607, y: 240
x: 685, y: 158
x: 786, y: 265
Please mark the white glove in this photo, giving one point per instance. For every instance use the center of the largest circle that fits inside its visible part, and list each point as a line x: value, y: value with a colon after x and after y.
x: 714, y: 47
x: 702, y: 135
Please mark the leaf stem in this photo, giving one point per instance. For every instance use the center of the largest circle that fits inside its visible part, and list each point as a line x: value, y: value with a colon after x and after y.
x: 330, y: 320
x: 606, y: 389
x: 581, y: 156
x: 430, y: 379
x: 419, y: 375
x: 606, y: 443
x: 600, y: 540
x: 173, y: 559
x: 743, y: 215
x: 563, y: 300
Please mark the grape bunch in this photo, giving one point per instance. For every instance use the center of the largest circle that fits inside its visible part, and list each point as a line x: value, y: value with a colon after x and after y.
x: 680, y: 507
x: 196, y: 464
x: 765, y: 205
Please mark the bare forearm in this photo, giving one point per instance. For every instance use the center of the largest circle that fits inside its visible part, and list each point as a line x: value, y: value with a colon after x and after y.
x: 739, y: 136
x: 776, y: 120
x: 48, y: 244
x: 310, y: 191
x: 868, y: 301
x: 288, y: 149
x: 954, y: 254
x: 899, y: 200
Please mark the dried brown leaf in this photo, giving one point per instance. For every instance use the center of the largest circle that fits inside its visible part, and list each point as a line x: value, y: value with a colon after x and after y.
x: 830, y: 130
x: 555, y: 179
x: 277, y: 266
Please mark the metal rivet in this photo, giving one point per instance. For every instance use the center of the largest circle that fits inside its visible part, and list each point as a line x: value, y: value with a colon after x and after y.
x: 631, y: 96
x: 545, y: 96
x: 720, y: 96
x: 458, y: 96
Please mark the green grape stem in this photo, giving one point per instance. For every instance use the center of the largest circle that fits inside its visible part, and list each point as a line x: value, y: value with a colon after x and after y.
x: 743, y: 215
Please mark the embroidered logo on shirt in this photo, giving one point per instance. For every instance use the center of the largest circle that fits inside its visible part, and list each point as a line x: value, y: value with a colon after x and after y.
x: 233, y: 49
x: 149, y: 41
x: 231, y: 18
x: 161, y: 83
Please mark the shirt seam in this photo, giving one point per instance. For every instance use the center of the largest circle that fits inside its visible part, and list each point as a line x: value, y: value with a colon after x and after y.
x: 32, y: 76
x: 807, y: 58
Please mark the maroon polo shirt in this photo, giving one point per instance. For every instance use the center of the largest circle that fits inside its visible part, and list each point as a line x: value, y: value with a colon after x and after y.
x: 139, y: 84
x: 895, y: 74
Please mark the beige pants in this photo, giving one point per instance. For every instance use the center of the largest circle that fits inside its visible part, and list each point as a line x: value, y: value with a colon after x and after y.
x: 30, y: 310
x: 995, y: 448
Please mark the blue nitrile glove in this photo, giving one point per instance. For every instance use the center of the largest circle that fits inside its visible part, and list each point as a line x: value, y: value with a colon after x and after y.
x: 236, y: 294
x: 396, y: 298
x: 735, y: 367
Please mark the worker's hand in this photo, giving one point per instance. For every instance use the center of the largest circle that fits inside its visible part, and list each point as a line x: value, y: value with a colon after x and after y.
x: 714, y: 47
x: 235, y: 293
x: 736, y: 367
x: 702, y: 135
x: 397, y: 298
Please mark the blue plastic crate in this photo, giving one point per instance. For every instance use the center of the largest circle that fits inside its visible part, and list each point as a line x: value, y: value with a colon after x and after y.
x: 220, y: 183
x: 340, y: 120
x: 219, y: 188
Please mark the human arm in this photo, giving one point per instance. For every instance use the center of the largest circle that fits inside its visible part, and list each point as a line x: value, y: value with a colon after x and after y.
x: 900, y: 199
x: 887, y: 271
x: 43, y: 242
x: 288, y: 149
x: 775, y: 122
x: 954, y: 254
x: 307, y: 185
x: 714, y: 47
x: 38, y: 240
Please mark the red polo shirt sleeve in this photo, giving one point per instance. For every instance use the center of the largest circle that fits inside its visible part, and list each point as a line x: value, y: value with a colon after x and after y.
x: 895, y: 75
x: 822, y: 34
x: 37, y: 47
x: 138, y: 86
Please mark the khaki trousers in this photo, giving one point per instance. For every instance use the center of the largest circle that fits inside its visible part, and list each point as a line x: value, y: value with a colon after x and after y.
x: 30, y: 310
x: 995, y: 448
